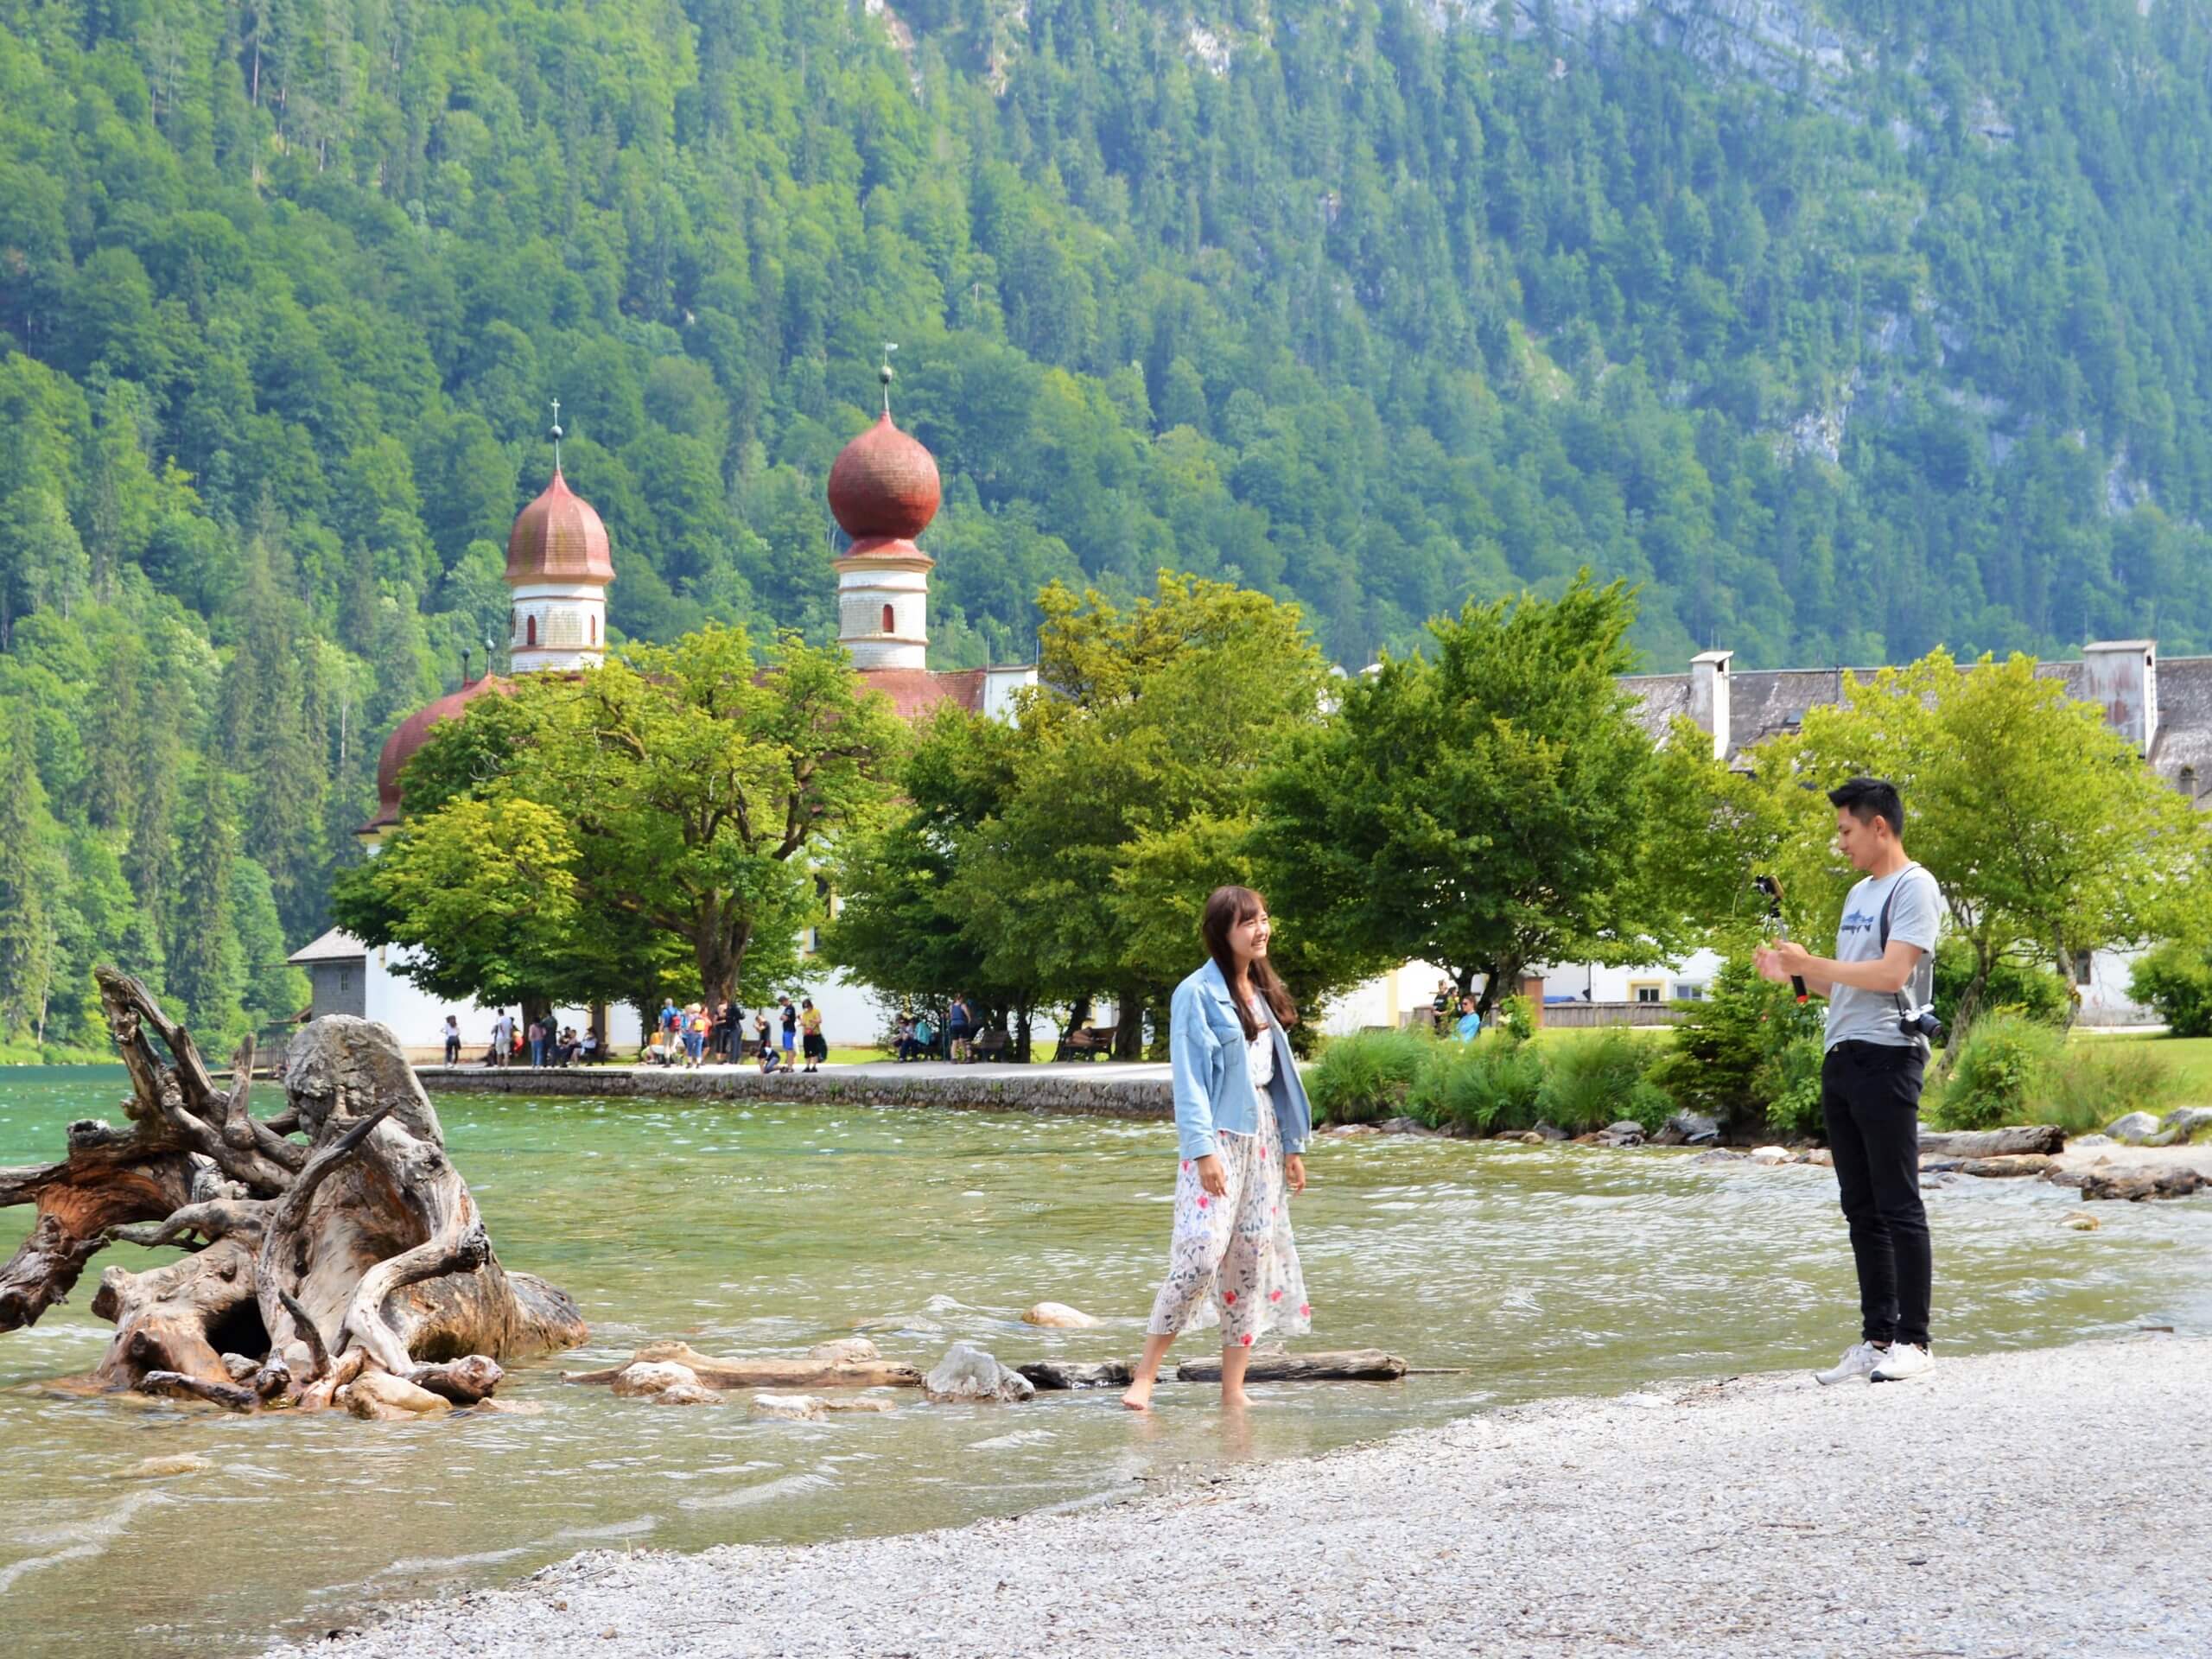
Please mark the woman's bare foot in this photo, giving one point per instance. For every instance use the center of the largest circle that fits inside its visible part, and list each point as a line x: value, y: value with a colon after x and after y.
x: 1235, y: 1402
x: 1138, y: 1396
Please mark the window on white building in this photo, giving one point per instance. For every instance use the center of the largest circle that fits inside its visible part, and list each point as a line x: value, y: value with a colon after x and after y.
x: 1689, y: 991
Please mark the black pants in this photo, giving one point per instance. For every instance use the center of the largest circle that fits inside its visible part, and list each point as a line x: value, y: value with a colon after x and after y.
x: 1870, y: 1097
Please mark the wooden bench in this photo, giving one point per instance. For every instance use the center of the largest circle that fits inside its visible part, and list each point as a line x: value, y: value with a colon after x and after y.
x: 990, y: 1045
x: 1086, y: 1045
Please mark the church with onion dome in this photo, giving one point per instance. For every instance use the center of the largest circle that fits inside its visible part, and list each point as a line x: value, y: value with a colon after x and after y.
x: 884, y: 491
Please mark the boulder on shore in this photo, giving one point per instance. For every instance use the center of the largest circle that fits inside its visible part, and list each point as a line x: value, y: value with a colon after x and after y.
x: 968, y: 1373
x: 2133, y: 1129
x: 1688, y: 1129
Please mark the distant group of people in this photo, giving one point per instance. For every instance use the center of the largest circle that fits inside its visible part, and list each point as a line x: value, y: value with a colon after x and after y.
x: 1461, y: 1016
x: 701, y: 1034
x: 917, y: 1037
x: 540, y: 1040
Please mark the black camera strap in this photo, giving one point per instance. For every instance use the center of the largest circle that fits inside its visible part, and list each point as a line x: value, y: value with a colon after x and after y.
x: 1882, y: 940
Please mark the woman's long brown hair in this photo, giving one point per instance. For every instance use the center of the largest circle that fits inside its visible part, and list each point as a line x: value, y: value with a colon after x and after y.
x: 1225, y: 908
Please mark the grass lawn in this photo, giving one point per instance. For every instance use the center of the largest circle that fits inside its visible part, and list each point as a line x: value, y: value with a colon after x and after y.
x: 2189, y: 1057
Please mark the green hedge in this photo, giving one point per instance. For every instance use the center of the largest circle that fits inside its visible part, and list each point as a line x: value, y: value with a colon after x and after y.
x: 1579, y: 1082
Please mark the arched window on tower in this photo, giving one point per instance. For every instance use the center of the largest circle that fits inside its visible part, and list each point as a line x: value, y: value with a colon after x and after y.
x: 529, y: 630
x: 887, y: 626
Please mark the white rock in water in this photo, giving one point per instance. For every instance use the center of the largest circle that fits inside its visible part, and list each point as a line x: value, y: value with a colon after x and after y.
x: 687, y: 1393
x: 648, y: 1377
x: 188, y: 1462
x: 382, y: 1397
x: 845, y: 1351
x: 1769, y: 1154
x: 2134, y: 1128
x: 1060, y: 1316
x: 864, y: 1402
x: 2081, y: 1221
x: 966, y: 1372
x: 792, y: 1408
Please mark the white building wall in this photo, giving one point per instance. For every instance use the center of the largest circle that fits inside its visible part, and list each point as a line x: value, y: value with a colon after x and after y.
x: 418, y: 1019
x: 863, y: 591
x: 569, y: 625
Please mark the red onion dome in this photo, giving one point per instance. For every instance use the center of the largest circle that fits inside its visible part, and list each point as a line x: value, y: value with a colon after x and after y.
x: 884, y: 485
x: 559, y: 537
x: 415, y: 731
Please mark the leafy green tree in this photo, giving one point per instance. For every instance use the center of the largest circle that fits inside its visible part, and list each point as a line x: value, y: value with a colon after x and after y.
x: 649, y: 826
x: 1490, y: 808
x: 2049, y: 836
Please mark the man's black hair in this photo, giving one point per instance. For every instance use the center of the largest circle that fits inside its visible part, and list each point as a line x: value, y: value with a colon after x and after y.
x: 1869, y: 798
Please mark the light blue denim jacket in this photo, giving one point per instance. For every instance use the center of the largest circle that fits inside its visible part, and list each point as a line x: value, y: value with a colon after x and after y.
x: 1213, y: 1076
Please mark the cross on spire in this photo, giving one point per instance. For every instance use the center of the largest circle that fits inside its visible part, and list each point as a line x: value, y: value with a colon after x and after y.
x: 885, y: 376
x: 556, y: 435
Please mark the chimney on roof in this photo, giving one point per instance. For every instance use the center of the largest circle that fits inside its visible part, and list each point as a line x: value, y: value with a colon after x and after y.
x: 2122, y: 679
x: 1709, y: 697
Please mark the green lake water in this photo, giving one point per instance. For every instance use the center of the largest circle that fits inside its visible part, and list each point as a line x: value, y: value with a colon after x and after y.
x: 756, y: 1229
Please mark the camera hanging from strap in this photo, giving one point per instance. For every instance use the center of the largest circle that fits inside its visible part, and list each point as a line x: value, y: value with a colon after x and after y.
x: 1920, y: 1024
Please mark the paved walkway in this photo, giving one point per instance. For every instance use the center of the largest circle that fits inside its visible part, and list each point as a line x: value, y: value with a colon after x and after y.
x: 2011, y: 1506
x: 911, y: 1071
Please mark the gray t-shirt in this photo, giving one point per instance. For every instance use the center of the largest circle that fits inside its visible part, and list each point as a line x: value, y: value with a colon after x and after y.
x: 1916, y: 917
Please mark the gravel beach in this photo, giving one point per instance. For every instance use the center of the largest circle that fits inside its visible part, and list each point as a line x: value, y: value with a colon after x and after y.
x: 2047, y: 1501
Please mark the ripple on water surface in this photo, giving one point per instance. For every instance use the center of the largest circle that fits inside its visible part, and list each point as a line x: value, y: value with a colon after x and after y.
x: 1523, y: 1272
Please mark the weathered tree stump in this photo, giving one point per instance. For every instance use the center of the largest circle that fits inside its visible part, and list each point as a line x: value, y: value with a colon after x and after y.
x: 332, y: 1238
x: 1352, y: 1365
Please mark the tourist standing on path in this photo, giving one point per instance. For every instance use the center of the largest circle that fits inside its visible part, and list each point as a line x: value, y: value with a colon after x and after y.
x: 1240, y: 1122
x: 452, y: 1041
x: 1879, y: 987
x: 817, y: 1050
x: 503, y: 1035
x: 729, y: 1031
x: 789, y: 1016
x: 767, y: 1044
x: 959, y: 1020
x: 537, y: 1034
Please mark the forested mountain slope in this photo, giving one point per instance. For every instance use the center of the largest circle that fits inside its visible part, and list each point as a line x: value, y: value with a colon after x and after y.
x: 1846, y: 327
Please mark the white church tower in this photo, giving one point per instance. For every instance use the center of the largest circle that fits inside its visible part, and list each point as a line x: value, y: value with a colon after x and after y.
x: 558, y: 566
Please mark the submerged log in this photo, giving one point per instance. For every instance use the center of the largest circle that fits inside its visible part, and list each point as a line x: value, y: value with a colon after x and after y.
x: 2139, y: 1182
x: 1991, y: 1143
x: 355, y: 1247
x: 1050, y: 1374
x: 1352, y: 1365
x: 804, y: 1371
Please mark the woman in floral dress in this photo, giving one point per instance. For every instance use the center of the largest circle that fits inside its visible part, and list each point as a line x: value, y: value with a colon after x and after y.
x: 1242, y: 1121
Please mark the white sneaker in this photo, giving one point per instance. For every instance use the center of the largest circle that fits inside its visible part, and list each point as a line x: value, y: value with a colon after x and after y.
x: 1856, y: 1363
x: 1904, y: 1361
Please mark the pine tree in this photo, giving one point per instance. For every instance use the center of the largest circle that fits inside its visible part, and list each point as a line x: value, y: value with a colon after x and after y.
x: 204, y: 960
x: 27, y: 873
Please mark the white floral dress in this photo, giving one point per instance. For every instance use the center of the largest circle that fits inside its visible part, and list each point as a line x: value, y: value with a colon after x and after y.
x: 1233, y: 1259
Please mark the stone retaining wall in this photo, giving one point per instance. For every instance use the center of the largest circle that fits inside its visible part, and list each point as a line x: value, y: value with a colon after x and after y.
x: 1129, y: 1098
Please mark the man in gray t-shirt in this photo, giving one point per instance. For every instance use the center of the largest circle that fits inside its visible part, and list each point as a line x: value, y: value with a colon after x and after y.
x: 1879, y: 978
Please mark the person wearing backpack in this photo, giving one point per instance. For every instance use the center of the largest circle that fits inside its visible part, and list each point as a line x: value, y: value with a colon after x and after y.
x: 1880, y: 986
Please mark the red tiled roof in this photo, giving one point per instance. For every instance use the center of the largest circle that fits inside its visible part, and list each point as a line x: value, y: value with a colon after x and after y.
x: 399, y: 748
x: 915, y: 692
x: 884, y: 485
x: 559, y: 537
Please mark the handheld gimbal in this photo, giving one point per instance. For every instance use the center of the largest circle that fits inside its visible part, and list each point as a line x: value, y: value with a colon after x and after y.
x: 1772, y: 888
